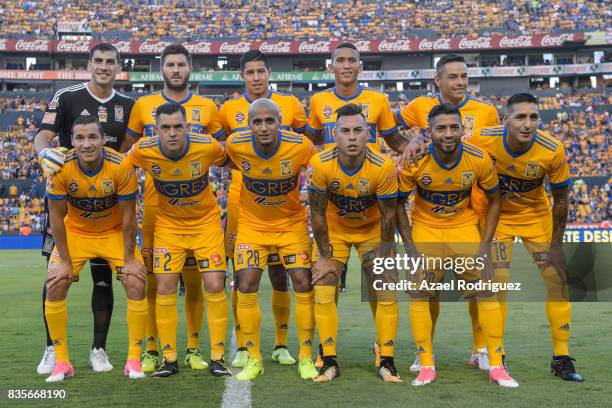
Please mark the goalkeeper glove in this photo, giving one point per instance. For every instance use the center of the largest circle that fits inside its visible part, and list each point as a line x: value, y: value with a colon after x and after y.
x: 52, y: 160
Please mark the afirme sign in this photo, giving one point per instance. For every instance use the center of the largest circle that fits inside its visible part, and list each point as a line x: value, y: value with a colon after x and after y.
x: 134, y: 47
x: 297, y: 76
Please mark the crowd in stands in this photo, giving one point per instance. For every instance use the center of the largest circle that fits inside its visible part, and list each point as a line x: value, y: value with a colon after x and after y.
x: 22, y: 104
x: 585, y: 133
x: 304, y: 19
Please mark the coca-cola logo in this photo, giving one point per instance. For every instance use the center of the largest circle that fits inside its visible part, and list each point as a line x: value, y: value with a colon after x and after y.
x: 363, y: 46
x: 281, y: 47
x: 73, y: 46
x: 234, y: 48
x: 516, y: 42
x: 394, y: 45
x: 152, y: 47
x: 123, y: 46
x: 32, y: 45
x: 556, y: 40
x: 314, y: 47
x: 477, y: 43
x: 201, y: 47
x: 439, y: 44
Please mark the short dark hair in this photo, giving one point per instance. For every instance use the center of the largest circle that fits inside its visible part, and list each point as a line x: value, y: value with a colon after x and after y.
x: 252, y: 56
x: 346, y: 45
x: 87, y: 120
x: 104, y: 46
x: 443, y: 109
x: 174, y: 49
x: 169, y: 108
x: 521, y: 98
x: 350, y: 109
x: 446, y: 59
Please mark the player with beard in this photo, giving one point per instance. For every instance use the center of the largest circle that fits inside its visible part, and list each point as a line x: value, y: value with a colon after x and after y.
x: 203, y: 117
x: 94, y: 98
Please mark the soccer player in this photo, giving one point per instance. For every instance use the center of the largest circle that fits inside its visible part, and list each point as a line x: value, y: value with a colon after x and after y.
x: 346, y: 65
x: 203, y: 118
x: 271, y: 219
x: 92, y: 206
x: 444, y: 226
x: 96, y: 98
x: 452, y: 81
x: 524, y: 156
x: 255, y: 72
x: 187, y: 220
x: 361, y: 185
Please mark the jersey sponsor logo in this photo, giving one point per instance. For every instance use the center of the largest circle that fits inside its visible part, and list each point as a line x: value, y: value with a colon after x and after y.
x: 532, y: 169
x: 467, y: 178
x: 352, y: 204
x: 334, y: 185
x: 216, y: 259
x: 195, y: 115
x: 102, y: 114
x: 107, y: 186
x: 327, y: 112
x: 73, y: 187
x: 203, y: 263
x: 425, y: 180
x: 270, y: 187
x: 196, y: 168
x: 246, y: 166
x: 447, y: 198
x: 285, y: 167
x: 156, y: 170
x: 363, y: 186
x: 181, y: 188
x: 239, y: 118
x: 444, y: 210
x: 91, y: 216
x: 93, y: 204
x: 178, y: 203
x: 266, y: 202
x: 118, y: 113
x: 289, y: 259
x: 517, y: 185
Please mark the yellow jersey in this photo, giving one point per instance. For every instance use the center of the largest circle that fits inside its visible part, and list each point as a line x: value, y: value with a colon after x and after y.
x: 475, y: 113
x: 92, y: 197
x: 323, y: 106
x: 353, y: 194
x: 234, y: 118
x: 202, y: 116
x: 521, y: 175
x: 186, y: 203
x: 270, y: 194
x: 443, y: 192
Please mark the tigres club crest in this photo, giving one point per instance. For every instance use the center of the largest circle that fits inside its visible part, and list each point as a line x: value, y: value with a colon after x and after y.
x: 467, y: 178
x: 532, y: 169
x: 107, y: 186
x: 195, y: 115
x: 285, y: 167
x: 468, y: 124
x: 196, y: 168
x: 365, y: 110
x: 364, y: 186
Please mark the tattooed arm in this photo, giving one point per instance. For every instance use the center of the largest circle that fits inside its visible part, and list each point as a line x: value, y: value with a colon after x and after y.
x: 388, y: 223
x: 560, y: 210
x: 396, y: 141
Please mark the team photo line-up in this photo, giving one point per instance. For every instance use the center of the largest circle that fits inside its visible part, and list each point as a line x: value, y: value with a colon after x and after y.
x: 478, y: 183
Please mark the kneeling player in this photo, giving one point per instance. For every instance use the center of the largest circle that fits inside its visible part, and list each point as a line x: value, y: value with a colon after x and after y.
x: 524, y: 155
x: 271, y: 217
x: 362, y: 187
x: 187, y: 219
x: 97, y: 188
x: 444, y: 226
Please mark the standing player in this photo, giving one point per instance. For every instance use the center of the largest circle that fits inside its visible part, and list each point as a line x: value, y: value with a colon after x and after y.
x: 346, y: 65
x: 271, y: 219
x: 94, y: 98
x: 524, y: 156
x: 452, y: 81
x: 187, y: 220
x: 255, y: 73
x: 97, y: 188
x: 203, y: 118
x: 361, y: 185
x: 445, y: 226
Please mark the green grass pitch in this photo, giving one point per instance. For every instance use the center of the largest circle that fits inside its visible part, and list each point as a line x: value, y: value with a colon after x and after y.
x: 527, y: 342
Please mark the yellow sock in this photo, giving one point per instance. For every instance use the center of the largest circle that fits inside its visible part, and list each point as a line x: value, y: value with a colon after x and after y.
x: 137, y: 314
x: 434, y: 312
x: 56, y: 313
x: 167, y: 322
x: 387, y: 315
x: 151, y: 327
x: 421, y: 323
x: 304, y: 321
x: 503, y: 307
x: 237, y: 330
x: 337, y: 294
x: 194, y: 306
x: 216, y: 315
x: 479, y: 338
x: 373, y: 305
x: 326, y: 317
x: 490, y: 318
x: 281, y: 308
x: 560, y: 318
x: 249, y: 315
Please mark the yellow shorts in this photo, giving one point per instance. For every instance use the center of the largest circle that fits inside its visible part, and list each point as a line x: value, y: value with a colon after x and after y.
x: 83, y: 248
x: 438, y: 245
x: 365, y: 240
x: 148, y: 240
x: 171, y: 251
x: 254, y: 247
